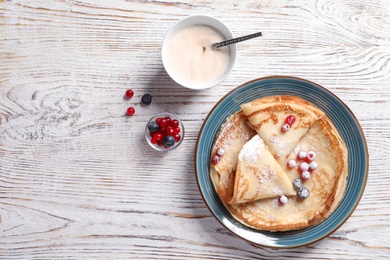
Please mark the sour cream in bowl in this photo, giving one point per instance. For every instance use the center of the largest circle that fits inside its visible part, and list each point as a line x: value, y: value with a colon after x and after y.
x: 185, y: 55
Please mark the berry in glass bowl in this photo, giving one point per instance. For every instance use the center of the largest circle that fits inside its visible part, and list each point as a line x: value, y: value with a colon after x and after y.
x: 164, y: 132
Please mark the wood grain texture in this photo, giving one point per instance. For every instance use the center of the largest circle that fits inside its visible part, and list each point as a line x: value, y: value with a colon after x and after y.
x: 77, y: 179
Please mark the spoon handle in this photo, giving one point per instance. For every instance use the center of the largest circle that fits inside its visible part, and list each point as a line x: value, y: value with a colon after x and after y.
x: 234, y: 40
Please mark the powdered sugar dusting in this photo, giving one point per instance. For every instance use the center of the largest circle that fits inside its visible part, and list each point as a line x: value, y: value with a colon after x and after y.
x: 224, y: 134
x: 232, y: 130
x: 246, y: 136
x: 267, y: 174
x: 276, y: 191
x: 251, y: 151
x: 277, y: 141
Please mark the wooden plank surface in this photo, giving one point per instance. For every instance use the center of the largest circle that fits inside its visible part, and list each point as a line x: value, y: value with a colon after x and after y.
x: 77, y: 179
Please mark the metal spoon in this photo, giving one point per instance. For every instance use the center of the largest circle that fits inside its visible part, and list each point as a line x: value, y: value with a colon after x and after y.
x: 231, y: 41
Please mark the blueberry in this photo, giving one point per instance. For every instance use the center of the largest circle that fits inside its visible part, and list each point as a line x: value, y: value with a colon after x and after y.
x: 303, y: 193
x: 153, y: 126
x: 147, y: 99
x: 297, y: 183
x: 169, y: 140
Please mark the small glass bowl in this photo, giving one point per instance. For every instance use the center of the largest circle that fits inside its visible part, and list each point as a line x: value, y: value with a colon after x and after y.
x: 161, y: 147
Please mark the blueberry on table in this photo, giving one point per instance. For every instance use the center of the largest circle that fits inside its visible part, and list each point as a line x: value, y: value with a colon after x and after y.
x: 169, y: 140
x: 153, y: 126
x: 146, y: 99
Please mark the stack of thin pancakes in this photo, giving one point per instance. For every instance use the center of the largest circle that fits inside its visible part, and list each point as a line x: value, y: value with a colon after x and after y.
x: 252, y: 170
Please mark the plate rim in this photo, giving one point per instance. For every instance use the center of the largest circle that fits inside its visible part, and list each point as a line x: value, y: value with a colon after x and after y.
x: 366, y: 170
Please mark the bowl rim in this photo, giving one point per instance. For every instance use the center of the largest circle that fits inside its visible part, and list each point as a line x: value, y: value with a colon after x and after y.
x: 356, y: 202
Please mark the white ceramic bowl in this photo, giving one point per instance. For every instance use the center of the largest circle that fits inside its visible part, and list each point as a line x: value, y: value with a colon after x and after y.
x: 198, y: 20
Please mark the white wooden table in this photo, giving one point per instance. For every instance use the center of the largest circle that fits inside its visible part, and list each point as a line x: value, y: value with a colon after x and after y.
x: 78, y: 180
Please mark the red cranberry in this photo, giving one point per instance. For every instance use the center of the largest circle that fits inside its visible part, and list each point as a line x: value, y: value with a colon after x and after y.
x: 153, y: 140
x: 291, y: 163
x: 305, y: 175
x: 129, y: 93
x: 163, y: 122
x: 168, y: 120
x: 313, y: 165
x: 220, y: 152
x: 158, y: 136
x: 215, y: 159
x: 311, y: 155
x: 169, y: 131
x: 286, y: 127
x: 283, y: 199
x: 304, y: 166
x: 130, y: 111
x: 290, y: 120
x: 177, y: 137
x: 174, y: 123
x: 176, y: 130
x: 302, y: 154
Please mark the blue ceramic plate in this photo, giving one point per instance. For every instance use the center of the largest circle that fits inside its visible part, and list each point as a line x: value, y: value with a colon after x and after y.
x: 335, y: 109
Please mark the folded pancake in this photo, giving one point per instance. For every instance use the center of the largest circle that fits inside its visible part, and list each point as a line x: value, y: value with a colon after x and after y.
x: 267, y: 116
x: 327, y: 184
x: 259, y: 175
x: 234, y: 133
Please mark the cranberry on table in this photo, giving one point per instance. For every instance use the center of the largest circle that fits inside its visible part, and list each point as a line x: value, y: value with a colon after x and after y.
x: 130, y: 111
x: 129, y: 93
